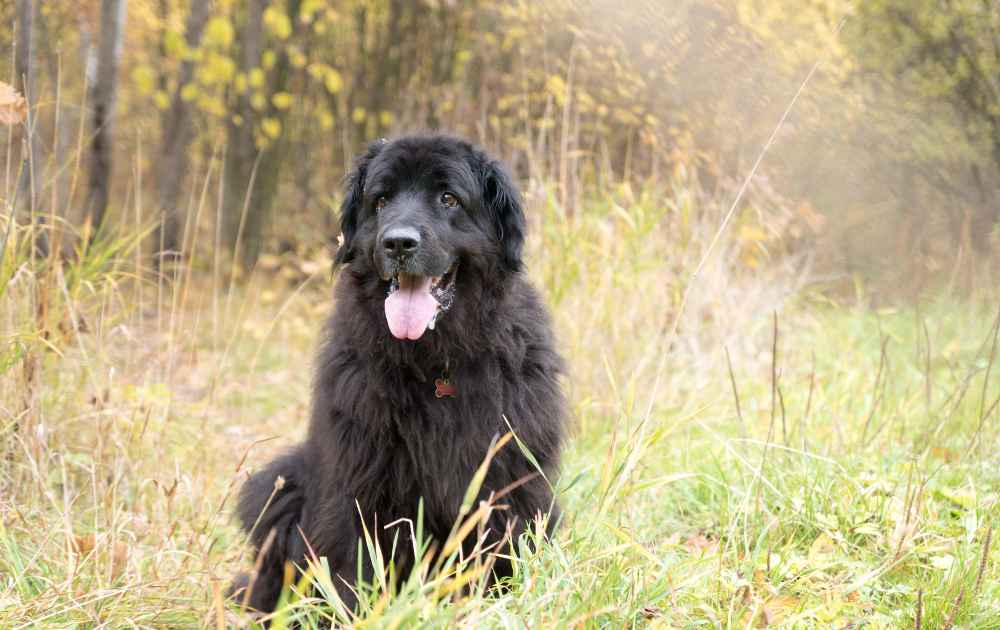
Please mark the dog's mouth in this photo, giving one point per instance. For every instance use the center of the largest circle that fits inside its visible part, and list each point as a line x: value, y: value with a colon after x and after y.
x: 415, y: 302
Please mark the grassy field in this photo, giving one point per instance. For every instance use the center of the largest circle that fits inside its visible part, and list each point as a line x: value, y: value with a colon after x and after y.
x: 746, y: 453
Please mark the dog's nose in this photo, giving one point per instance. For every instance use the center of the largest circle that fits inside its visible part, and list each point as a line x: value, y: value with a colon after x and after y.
x: 400, y: 241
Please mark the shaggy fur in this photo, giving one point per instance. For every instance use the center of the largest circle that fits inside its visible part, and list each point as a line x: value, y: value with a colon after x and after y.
x: 379, y: 439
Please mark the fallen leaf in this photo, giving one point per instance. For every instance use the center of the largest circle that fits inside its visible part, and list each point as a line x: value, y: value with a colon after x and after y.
x: 119, y: 559
x: 82, y: 545
x: 700, y: 542
x: 651, y: 612
x: 85, y: 545
x: 13, y: 107
x: 821, y: 549
x: 780, y: 607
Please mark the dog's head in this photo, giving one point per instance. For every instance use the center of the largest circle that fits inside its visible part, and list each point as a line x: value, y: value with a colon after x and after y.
x: 424, y: 214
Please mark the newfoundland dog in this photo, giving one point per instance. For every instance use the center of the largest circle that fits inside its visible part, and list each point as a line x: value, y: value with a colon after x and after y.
x: 437, y: 346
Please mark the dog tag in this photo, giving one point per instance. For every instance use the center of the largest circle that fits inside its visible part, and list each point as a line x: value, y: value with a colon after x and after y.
x: 444, y: 387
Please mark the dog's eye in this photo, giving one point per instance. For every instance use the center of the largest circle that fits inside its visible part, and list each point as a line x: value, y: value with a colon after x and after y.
x: 449, y: 200
x: 380, y: 203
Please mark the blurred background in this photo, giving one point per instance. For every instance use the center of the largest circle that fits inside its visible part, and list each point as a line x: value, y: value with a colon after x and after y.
x: 885, y: 172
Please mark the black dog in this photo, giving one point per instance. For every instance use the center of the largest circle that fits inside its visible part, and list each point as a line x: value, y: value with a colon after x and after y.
x: 437, y: 342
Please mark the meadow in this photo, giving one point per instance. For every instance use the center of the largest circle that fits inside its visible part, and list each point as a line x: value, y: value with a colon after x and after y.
x: 748, y: 450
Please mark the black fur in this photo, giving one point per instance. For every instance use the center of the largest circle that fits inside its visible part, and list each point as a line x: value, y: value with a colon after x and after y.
x: 379, y: 439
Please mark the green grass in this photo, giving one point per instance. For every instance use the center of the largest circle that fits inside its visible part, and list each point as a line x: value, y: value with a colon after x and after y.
x: 858, y: 473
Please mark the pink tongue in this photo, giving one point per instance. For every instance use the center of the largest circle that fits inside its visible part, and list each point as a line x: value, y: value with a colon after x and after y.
x: 410, y: 308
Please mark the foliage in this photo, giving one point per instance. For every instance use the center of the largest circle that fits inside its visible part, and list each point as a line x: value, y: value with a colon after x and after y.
x: 948, y: 56
x: 947, y: 62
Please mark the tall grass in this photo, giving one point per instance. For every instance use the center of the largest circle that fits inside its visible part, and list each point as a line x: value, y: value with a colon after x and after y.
x: 802, y: 463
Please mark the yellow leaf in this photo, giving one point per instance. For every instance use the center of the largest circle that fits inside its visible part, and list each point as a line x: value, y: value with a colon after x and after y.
x: 267, y: 59
x: 161, y: 100
x: 212, y: 105
x: 216, y: 70
x: 218, y: 32
x: 281, y: 100
x: 333, y: 81
x: 277, y: 23
x: 752, y: 233
x: 358, y: 115
x: 256, y: 78
x: 821, y: 549
x: 309, y: 8
x: 316, y: 70
x: 189, y: 92
x: 144, y: 79
x: 173, y: 44
x: 271, y: 127
x: 556, y: 87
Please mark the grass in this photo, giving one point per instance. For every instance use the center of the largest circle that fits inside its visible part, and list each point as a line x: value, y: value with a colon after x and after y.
x: 783, y: 461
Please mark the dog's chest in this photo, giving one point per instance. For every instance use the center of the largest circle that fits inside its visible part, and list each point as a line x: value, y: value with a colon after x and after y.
x: 418, y: 437
x: 436, y: 450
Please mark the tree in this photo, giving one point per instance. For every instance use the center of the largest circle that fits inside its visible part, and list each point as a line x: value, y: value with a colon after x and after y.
x: 25, y: 82
x: 177, y: 132
x: 103, y: 97
x: 945, y: 55
x: 255, y: 131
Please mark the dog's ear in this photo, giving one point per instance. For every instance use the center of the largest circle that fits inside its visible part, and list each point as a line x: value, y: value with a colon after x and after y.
x: 503, y: 202
x: 354, y: 193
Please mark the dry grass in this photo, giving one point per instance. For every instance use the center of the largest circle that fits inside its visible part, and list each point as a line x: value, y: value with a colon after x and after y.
x: 840, y: 466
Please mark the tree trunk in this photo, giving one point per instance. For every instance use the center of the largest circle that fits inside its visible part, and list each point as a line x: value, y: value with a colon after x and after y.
x: 103, y: 96
x: 178, y: 131
x: 241, y: 153
x: 252, y: 175
x: 987, y: 212
x: 50, y: 48
x: 26, y: 84
x: 356, y: 96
